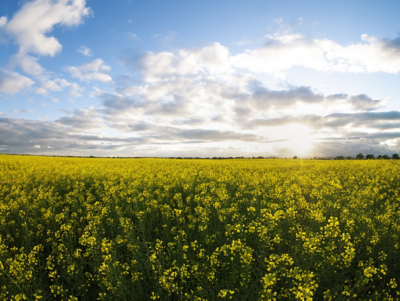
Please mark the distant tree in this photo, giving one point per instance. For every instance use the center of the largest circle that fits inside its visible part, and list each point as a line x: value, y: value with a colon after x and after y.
x: 360, y: 156
x: 385, y: 157
x: 260, y: 157
x: 295, y: 157
x: 395, y: 156
x: 339, y: 158
x: 349, y: 158
x: 379, y: 157
x: 370, y: 157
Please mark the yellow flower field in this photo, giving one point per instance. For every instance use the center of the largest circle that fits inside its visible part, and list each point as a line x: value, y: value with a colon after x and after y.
x: 142, y: 229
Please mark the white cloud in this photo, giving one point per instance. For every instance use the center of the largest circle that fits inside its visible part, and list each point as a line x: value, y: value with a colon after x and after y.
x: 95, y: 70
x: 51, y: 85
x: 35, y: 19
x: 30, y: 27
x: 29, y: 64
x: 13, y: 82
x: 41, y: 90
x: 75, y: 94
x: 53, y: 99
x: 282, y: 52
x: 201, y: 81
x: 85, y: 51
x: 76, y: 90
x: 212, y: 60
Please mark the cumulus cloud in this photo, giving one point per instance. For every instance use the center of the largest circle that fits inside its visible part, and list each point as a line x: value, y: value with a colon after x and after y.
x: 186, y: 62
x: 13, y: 82
x: 31, y: 24
x: 29, y: 64
x: 74, y: 89
x: 30, y: 28
x: 191, y: 81
x: 95, y: 70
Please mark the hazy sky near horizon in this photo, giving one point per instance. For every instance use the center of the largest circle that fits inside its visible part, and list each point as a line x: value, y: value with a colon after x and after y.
x: 199, y: 78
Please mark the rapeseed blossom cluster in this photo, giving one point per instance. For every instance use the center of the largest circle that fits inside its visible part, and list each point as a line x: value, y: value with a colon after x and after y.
x: 154, y: 229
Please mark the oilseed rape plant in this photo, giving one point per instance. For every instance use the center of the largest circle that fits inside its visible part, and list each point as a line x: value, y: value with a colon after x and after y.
x: 157, y: 229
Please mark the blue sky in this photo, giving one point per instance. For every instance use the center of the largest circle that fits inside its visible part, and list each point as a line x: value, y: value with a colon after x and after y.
x: 199, y: 78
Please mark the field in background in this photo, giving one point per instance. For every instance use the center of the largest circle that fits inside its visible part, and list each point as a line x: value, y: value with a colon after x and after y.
x: 135, y: 229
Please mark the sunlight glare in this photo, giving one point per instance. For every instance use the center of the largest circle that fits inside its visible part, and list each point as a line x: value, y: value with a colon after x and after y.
x: 299, y: 139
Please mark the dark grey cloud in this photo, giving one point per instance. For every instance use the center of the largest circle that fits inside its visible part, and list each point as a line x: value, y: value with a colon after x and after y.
x: 156, y: 132
x: 309, y: 120
x: 133, y: 59
x: 85, y: 119
x: 364, y: 102
x: 27, y: 136
x: 22, y: 111
x: 373, y: 120
x: 212, y: 135
x: 65, y: 136
x: 114, y: 104
x: 177, y: 106
x: 393, y: 45
x: 263, y: 98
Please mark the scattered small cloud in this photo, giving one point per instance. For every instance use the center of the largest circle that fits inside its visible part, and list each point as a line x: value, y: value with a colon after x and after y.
x: 64, y: 111
x: 165, y: 38
x: 132, y: 36
x: 84, y: 50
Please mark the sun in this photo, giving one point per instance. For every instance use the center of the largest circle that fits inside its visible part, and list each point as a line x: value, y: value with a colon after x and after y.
x: 298, y: 139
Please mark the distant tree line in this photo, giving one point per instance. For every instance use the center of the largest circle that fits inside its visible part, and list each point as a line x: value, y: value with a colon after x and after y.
x: 360, y: 156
